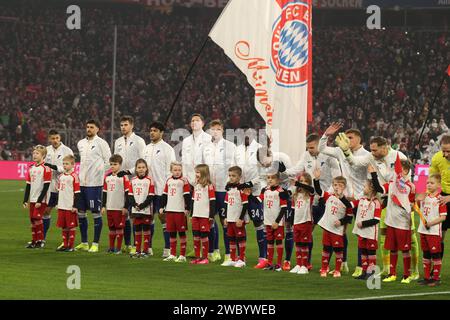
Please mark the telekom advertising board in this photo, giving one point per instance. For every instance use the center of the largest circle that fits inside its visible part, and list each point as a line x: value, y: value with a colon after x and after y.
x: 17, y: 170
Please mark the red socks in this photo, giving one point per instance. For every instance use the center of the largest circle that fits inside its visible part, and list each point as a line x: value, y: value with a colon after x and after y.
x: 339, y: 257
x: 242, y: 247
x: 270, y: 252
x: 437, y: 263
x: 426, y: 268
x: 173, y: 246
x: 138, y: 241
x: 406, y: 264
x: 147, y: 237
x: 197, y: 245
x: 183, y: 246
x: 205, y: 247
x: 279, y: 254
x: 112, y: 238
x: 233, y: 249
x: 325, y: 260
x: 393, y: 266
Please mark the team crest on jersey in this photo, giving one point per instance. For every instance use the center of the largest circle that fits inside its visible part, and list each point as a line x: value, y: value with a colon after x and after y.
x: 290, y: 44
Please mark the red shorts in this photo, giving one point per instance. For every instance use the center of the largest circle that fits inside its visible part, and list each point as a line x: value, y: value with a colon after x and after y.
x: 431, y: 243
x: 331, y: 239
x: 303, y: 232
x: 235, y: 232
x: 176, y: 222
x: 67, y: 219
x: 200, y: 224
x: 142, y: 219
x: 368, y: 244
x: 37, y: 213
x: 116, y: 219
x: 397, y: 239
x: 277, y: 234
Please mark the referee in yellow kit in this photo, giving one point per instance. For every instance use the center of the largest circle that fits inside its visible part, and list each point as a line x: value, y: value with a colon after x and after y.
x: 441, y: 164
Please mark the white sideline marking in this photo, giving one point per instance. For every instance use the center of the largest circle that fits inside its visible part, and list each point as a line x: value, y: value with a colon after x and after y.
x: 401, y: 295
x: 16, y: 190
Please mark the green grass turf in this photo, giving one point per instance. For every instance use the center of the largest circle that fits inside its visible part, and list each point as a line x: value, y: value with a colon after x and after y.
x: 41, y: 274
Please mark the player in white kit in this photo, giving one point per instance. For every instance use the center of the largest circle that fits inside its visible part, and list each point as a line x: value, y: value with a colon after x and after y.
x: 131, y: 148
x: 56, y: 152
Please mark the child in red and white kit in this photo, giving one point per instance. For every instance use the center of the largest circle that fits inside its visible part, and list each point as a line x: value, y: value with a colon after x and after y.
x: 68, y: 201
x: 38, y: 181
x: 115, y: 203
x: 434, y: 214
x: 203, y: 210
x: 140, y: 197
x: 401, y: 195
x: 274, y: 199
x: 302, y: 220
x: 176, y: 202
x: 366, y: 226
x: 236, y: 208
x: 338, y: 213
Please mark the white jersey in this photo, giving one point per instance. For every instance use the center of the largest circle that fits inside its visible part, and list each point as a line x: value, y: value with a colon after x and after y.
x: 202, y: 196
x: 130, y: 149
x: 116, y: 190
x: 302, y: 206
x: 159, y: 156
x: 37, y: 176
x: 398, y: 216
x: 55, y: 157
x: 219, y: 156
x: 356, y: 175
x: 176, y: 189
x: 431, y: 210
x: 328, y: 166
x: 94, y: 161
x: 245, y: 158
x: 235, y: 200
x: 140, y: 189
x: 334, y: 210
x: 272, y: 204
x: 264, y: 172
x: 367, y: 210
x: 192, y: 154
x: 68, y: 184
x: 384, y: 167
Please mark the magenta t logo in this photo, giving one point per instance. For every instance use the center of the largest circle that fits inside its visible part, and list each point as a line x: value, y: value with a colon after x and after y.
x: 22, y: 169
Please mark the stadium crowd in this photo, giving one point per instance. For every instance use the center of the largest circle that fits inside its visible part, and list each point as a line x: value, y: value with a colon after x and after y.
x: 380, y: 82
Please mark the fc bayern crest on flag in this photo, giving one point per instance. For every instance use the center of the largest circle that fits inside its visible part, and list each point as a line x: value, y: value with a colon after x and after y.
x: 290, y: 44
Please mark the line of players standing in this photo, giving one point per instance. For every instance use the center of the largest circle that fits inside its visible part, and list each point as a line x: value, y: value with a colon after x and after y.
x: 212, y: 149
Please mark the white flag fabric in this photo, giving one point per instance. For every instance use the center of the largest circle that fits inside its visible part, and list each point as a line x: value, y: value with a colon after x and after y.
x: 270, y: 41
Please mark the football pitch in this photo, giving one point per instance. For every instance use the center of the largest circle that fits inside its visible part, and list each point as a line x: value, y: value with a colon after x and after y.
x: 42, y: 273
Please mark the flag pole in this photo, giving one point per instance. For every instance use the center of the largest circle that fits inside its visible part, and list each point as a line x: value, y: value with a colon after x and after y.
x: 185, y: 81
x: 428, y: 115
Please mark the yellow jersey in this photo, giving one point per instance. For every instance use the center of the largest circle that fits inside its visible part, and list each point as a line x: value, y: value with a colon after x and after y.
x: 439, y: 164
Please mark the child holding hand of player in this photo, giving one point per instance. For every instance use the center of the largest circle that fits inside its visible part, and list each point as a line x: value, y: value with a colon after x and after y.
x: 68, y: 201
x: 401, y: 194
x: 203, y: 210
x: 115, y: 203
x: 176, y: 202
x: 338, y: 213
x: 368, y: 217
x: 38, y: 181
x: 302, y: 220
x: 236, y: 208
x: 430, y: 230
x: 140, y: 197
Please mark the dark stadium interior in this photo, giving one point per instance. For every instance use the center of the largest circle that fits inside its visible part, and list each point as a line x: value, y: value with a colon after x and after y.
x: 380, y: 81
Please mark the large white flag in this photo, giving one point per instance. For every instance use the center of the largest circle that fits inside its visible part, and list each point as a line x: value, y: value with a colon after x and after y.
x: 270, y: 42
